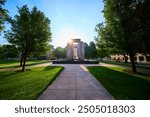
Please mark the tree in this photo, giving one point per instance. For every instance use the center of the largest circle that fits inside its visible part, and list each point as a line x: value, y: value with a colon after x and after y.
x: 101, y: 41
x: 50, y: 52
x: 41, y: 52
x: 3, y: 14
x: 102, y: 49
x: 8, y: 51
x: 30, y: 32
x: 59, y: 52
x: 143, y: 29
x: 93, y: 51
x: 86, y: 51
x: 104, y: 46
x: 2, y: 55
x: 123, y: 24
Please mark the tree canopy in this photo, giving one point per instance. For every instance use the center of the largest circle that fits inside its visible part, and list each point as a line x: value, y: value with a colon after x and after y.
x: 8, y: 52
x: 59, y: 52
x: 30, y: 32
x: 125, y: 28
x: 3, y: 14
x: 90, y: 50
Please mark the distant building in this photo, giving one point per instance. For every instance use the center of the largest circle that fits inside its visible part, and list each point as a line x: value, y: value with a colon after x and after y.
x: 139, y: 57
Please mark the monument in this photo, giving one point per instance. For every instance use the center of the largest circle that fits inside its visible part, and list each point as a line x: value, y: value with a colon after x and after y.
x: 75, y: 50
x: 75, y: 54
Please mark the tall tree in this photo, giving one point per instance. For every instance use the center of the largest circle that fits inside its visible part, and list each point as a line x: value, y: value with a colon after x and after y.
x: 30, y: 32
x: 93, y: 51
x: 3, y: 14
x: 86, y: 51
x: 143, y: 29
x: 104, y: 46
x: 123, y: 22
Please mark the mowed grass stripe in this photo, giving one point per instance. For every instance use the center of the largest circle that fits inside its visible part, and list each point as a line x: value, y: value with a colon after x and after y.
x: 15, y: 63
x: 122, y: 85
x: 27, y: 85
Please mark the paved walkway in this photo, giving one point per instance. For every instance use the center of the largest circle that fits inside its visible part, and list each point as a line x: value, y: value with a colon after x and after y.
x: 75, y: 83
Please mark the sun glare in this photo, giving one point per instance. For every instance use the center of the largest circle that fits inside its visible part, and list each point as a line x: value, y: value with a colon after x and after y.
x: 65, y: 36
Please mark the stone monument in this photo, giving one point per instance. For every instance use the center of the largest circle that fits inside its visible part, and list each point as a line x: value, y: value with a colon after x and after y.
x: 75, y: 50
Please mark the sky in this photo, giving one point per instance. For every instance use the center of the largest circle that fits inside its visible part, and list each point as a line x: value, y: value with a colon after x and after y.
x: 69, y: 18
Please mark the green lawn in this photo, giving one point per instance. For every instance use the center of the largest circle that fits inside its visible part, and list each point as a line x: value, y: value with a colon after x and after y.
x: 27, y: 85
x: 122, y: 85
x: 16, y: 63
x: 138, y: 65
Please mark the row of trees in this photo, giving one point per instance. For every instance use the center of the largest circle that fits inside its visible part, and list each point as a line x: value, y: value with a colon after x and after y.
x: 90, y: 50
x: 59, y: 53
x: 8, y: 51
x: 126, y: 28
x: 29, y: 33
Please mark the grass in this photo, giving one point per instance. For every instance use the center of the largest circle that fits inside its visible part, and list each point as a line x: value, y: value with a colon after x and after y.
x: 27, y: 85
x: 138, y: 65
x: 15, y: 63
x: 122, y: 85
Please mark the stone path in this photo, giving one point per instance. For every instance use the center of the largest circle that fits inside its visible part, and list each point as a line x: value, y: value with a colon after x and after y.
x: 75, y: 83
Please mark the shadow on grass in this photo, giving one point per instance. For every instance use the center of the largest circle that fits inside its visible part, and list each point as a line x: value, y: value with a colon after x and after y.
x: 4, y: 74
x: 27, y: 64
x: 28, y: 84
x: 122, y: 85
x: 137, y: 73
x: 10, y: 73
x: 30, y: 64
x: 138, y: 65
x: 13, y: 66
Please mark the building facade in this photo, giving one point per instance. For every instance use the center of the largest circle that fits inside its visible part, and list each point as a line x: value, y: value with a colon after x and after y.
x: 139, y: 57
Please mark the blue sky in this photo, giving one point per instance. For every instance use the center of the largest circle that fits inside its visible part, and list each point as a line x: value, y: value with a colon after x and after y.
x: 69, y: 18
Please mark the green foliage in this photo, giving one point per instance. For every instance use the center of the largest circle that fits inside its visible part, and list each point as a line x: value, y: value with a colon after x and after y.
x: 27, y: 85
x: 143, y: 28
x: 104, y: 46
x: 86, y: 51
x: 126, y: 28
x: 30, y: 32
x: 129, y: 23
x: 59, y: 52
x: 122, y: 85
x: 8, y: 51
x: 3, y: 14
x: 90, y: 50
x: 41, y: 51
x: 93, y: 51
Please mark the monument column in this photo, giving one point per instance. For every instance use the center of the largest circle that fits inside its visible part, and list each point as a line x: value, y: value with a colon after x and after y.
x: 69, y: 51
x: 80, y: 51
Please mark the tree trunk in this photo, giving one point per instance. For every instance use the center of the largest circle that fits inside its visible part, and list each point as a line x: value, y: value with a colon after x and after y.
x: 21, y: 60
x: 132, y: 62
x: 24, y: 61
